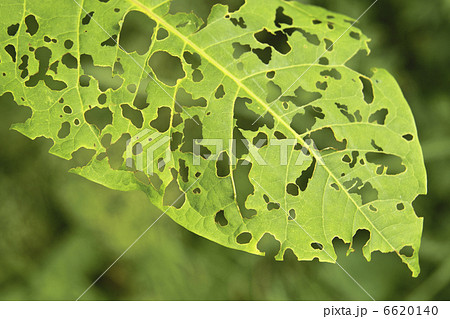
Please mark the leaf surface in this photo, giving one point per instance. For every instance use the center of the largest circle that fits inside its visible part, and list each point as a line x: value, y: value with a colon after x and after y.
x: 99, y: 73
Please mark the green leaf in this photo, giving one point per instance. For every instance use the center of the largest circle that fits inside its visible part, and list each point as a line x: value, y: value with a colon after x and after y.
x: 258, y: 73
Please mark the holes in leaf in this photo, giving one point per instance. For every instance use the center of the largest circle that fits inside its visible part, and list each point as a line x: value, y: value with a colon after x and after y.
x: 118, y: 68
x: 325, y: 139
x: 265, y: 55
x: 102, y: 74
x: 321, y: 85
x: 197, y: 75
x: 184, y: 170
x: 351, y: 161
x: 273, y: 205
x: 273, y: 92
x: 302, y: 123
x: 32, y: 25
x: 192, y: 132
x: 23, y: 66
x: 269, y: 245
x: 260, y: 140
x: 360, y: 239
x: 240, y: 49
x: 373, y: 208
x: 175, y: 141
x: 193, y: 59
x: 87, y: 18
x: 243, y: 188
x: 173, y: 196
x: 323, y: 61
x: 185, y: 99
x: 388, y: 163
x: 279, y: 40
x: 140, y: 101
x: 355, y: 35
x: 115, y: 151
x: 11, y: 51
x: 292, y: 214
x: 69, y: 61
x: 279, y: 136
x: 176, y: 120
x: 102, y: 98
x: 400, y: 206
x: 317, y: 246
x: 67, y: 109
x: 364, y: 190
x: 249, y: 120
x: 379, y: 116
x: 281, y: 18
x: 84, y: 80
x: 244, y: 238
x: 136, y: 33
x: 99, y: 117
x: 43, y: 55
x: 367, y: 89
x: 220, y: 218
x: 292, y: 189
x: 110, y: 42
x: 375, y: 146
x: 305, y: 176
x: 223, y: 165
x: 239, y: 22
x: 407, y: 251
x: 12, y: 29
x: 134, y: 115
x: 220, y: 92
x: 167, y: 68
x: 156, y: 181
x: 64, y: 131
x: 131, y: 88
x: 162, y: 34
x: 270, y: 75
x: 331, y: 73
x: 162, y: 122
x: 68, y: 44
x: 302, y: 97
x: 328, y: 45
x: 335, y: 186
x: 81, y: 157
x: 196, y: 191
x: 408, y: 137
x: 311, y: 38
x: 54, y: 67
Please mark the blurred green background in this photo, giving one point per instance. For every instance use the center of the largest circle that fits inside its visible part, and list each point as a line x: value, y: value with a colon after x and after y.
x: 58, y: 232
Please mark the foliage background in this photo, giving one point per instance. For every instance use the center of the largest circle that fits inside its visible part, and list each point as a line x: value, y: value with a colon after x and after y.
x: 58, y: 232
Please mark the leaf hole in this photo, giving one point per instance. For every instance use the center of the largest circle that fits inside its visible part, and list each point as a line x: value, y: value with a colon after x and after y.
x: 244, y: 238
x: 269, y: 245
x: 220, y: 218
x: 407, y: 251
x: 32, y: 25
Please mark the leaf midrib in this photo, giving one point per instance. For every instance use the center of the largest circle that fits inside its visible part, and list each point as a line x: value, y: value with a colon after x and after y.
x: 211, y: 60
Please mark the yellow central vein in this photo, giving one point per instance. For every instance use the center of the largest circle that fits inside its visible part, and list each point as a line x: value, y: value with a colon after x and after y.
x: 260, y: 101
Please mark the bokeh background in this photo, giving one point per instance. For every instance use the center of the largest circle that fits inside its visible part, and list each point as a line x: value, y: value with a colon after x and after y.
x: 58, y: 232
